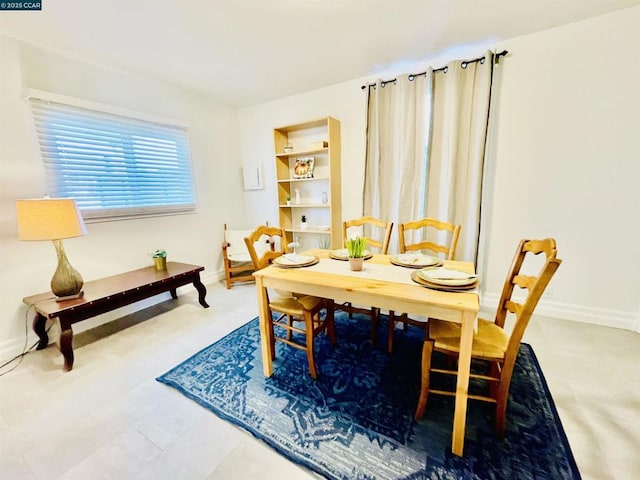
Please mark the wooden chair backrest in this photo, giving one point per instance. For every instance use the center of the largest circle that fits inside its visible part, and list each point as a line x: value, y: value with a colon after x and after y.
x: 533, y: 284
x: 267, y: 234
x: 374, y: 224
x: 448, y: 250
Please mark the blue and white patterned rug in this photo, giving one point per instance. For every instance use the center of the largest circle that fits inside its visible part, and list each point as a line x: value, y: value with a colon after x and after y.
x: 356, y: 420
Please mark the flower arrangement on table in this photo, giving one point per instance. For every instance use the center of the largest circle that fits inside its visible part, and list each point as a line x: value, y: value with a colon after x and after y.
x: 356, y: 246
x: 355, y: 251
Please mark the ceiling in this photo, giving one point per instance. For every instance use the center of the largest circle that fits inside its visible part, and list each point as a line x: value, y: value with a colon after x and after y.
x: 244, y: 52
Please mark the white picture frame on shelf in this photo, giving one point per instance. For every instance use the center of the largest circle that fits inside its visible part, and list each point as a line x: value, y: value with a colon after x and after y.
x: 303, y: 167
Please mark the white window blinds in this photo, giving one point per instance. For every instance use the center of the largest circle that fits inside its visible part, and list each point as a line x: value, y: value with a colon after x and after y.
x: 113, y: 165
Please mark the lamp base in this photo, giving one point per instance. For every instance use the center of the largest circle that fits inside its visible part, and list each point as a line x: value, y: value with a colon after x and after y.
x: 69, y: 297
x: 66, y: 281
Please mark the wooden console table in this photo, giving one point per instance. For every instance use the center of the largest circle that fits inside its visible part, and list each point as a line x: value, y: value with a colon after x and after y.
x: 106, y: 294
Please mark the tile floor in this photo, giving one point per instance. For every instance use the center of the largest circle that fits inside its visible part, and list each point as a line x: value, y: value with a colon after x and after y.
x: 110, y: 419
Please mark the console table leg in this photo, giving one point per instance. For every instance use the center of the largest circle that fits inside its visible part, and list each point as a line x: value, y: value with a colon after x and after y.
x: 202, y: 291
x: 39, y: 326
x: 174, y: 293
x: 66, y: 344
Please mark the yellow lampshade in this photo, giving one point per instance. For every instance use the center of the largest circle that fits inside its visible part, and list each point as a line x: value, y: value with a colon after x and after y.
x: 49, y: 219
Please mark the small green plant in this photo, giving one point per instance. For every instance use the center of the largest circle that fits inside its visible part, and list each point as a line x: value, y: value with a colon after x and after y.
x: 355, y: 247
x: 304, y: 219
x: 160, y: 253
x: 288, y: 198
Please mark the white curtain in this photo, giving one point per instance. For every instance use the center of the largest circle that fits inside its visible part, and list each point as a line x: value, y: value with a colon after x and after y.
x: 460, y: 114
x: 397, y: 128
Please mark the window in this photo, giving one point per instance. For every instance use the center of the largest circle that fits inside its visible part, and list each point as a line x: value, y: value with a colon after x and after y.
x: 113, y: 165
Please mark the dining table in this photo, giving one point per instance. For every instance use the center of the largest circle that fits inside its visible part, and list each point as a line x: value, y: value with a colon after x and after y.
x: 384, y: 285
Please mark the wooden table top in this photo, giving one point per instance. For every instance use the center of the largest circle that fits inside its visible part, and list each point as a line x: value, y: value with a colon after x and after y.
x: 103, y: 288
x: 379, y: 292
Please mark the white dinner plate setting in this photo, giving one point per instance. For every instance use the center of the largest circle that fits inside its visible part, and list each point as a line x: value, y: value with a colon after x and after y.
x: 343, y: 254
x: 447, y: 277
x: 294, y: 260
x: 414, y: 260
x: 449, y: 280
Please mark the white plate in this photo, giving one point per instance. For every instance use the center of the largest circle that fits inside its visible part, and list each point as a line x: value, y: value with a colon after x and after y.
x: 447, y: 276
x: 343, y: 254
x: 293, y: 259
x: 415, y: 260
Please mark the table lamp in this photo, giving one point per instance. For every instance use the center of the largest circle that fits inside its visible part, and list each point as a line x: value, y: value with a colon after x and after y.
x: 54, y: 219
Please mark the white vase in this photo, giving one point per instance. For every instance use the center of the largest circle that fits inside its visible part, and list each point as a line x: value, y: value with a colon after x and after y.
x: 303, y: 225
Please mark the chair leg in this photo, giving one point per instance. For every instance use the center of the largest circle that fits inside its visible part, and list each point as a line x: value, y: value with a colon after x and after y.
x: 348, y: 304
x: 308, y: 321
x: 405, y: 325
x: 330, y: 323
x: 227, y: 276
x: 390, y: 331
x: 427, y: 350
x: 375, y: 320
x: 502, y: 397
x: 272, y: 336
x: 289, y: 331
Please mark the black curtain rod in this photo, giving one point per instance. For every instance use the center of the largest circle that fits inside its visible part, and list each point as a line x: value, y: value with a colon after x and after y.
x: 441, y: 69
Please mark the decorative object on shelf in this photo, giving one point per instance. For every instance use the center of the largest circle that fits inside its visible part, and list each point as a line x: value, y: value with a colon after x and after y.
x: 355, y: 249
x: 303, y: 222
x: 325, y: 198
x: 160, y: 259
x: 303, y: 167
x: 54, y: 219
x: 288, y: 148
x: 324, y: 243
x: 293, y: 245
x: 297, y: 193
x: 288, y: 199
x: 319, y: 145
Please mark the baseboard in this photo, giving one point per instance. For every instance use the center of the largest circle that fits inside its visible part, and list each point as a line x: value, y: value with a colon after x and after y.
x: 578, y: 313
x: 214, y: 276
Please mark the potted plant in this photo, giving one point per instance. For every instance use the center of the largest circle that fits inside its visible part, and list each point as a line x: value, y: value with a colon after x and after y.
x: 288, y: 199
x: 355, y: 251
x: 303, y: 222
x: 160, y: 259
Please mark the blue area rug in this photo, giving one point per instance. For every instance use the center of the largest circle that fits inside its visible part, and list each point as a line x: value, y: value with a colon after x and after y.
x: 356, y: 420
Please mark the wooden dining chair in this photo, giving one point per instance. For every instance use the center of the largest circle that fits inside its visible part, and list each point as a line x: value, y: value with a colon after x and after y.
x: 238, y: 266
x: 492, y: 344
x: 430, y: 227
x: 377, y: 233
x: 298, y: 314
x: 427, y: 230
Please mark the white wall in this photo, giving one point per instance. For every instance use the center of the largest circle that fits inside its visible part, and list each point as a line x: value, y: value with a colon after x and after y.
x: 565, y: 163
x: 562, y: 161
x: 110, y: 247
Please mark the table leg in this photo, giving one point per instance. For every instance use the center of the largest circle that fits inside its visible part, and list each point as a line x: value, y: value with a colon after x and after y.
x: 462, y: 387
x: 202, y: 291
x: 174, y: 293
x: 66, y: 344
x: 39, y: 326
x: 265, y: 330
